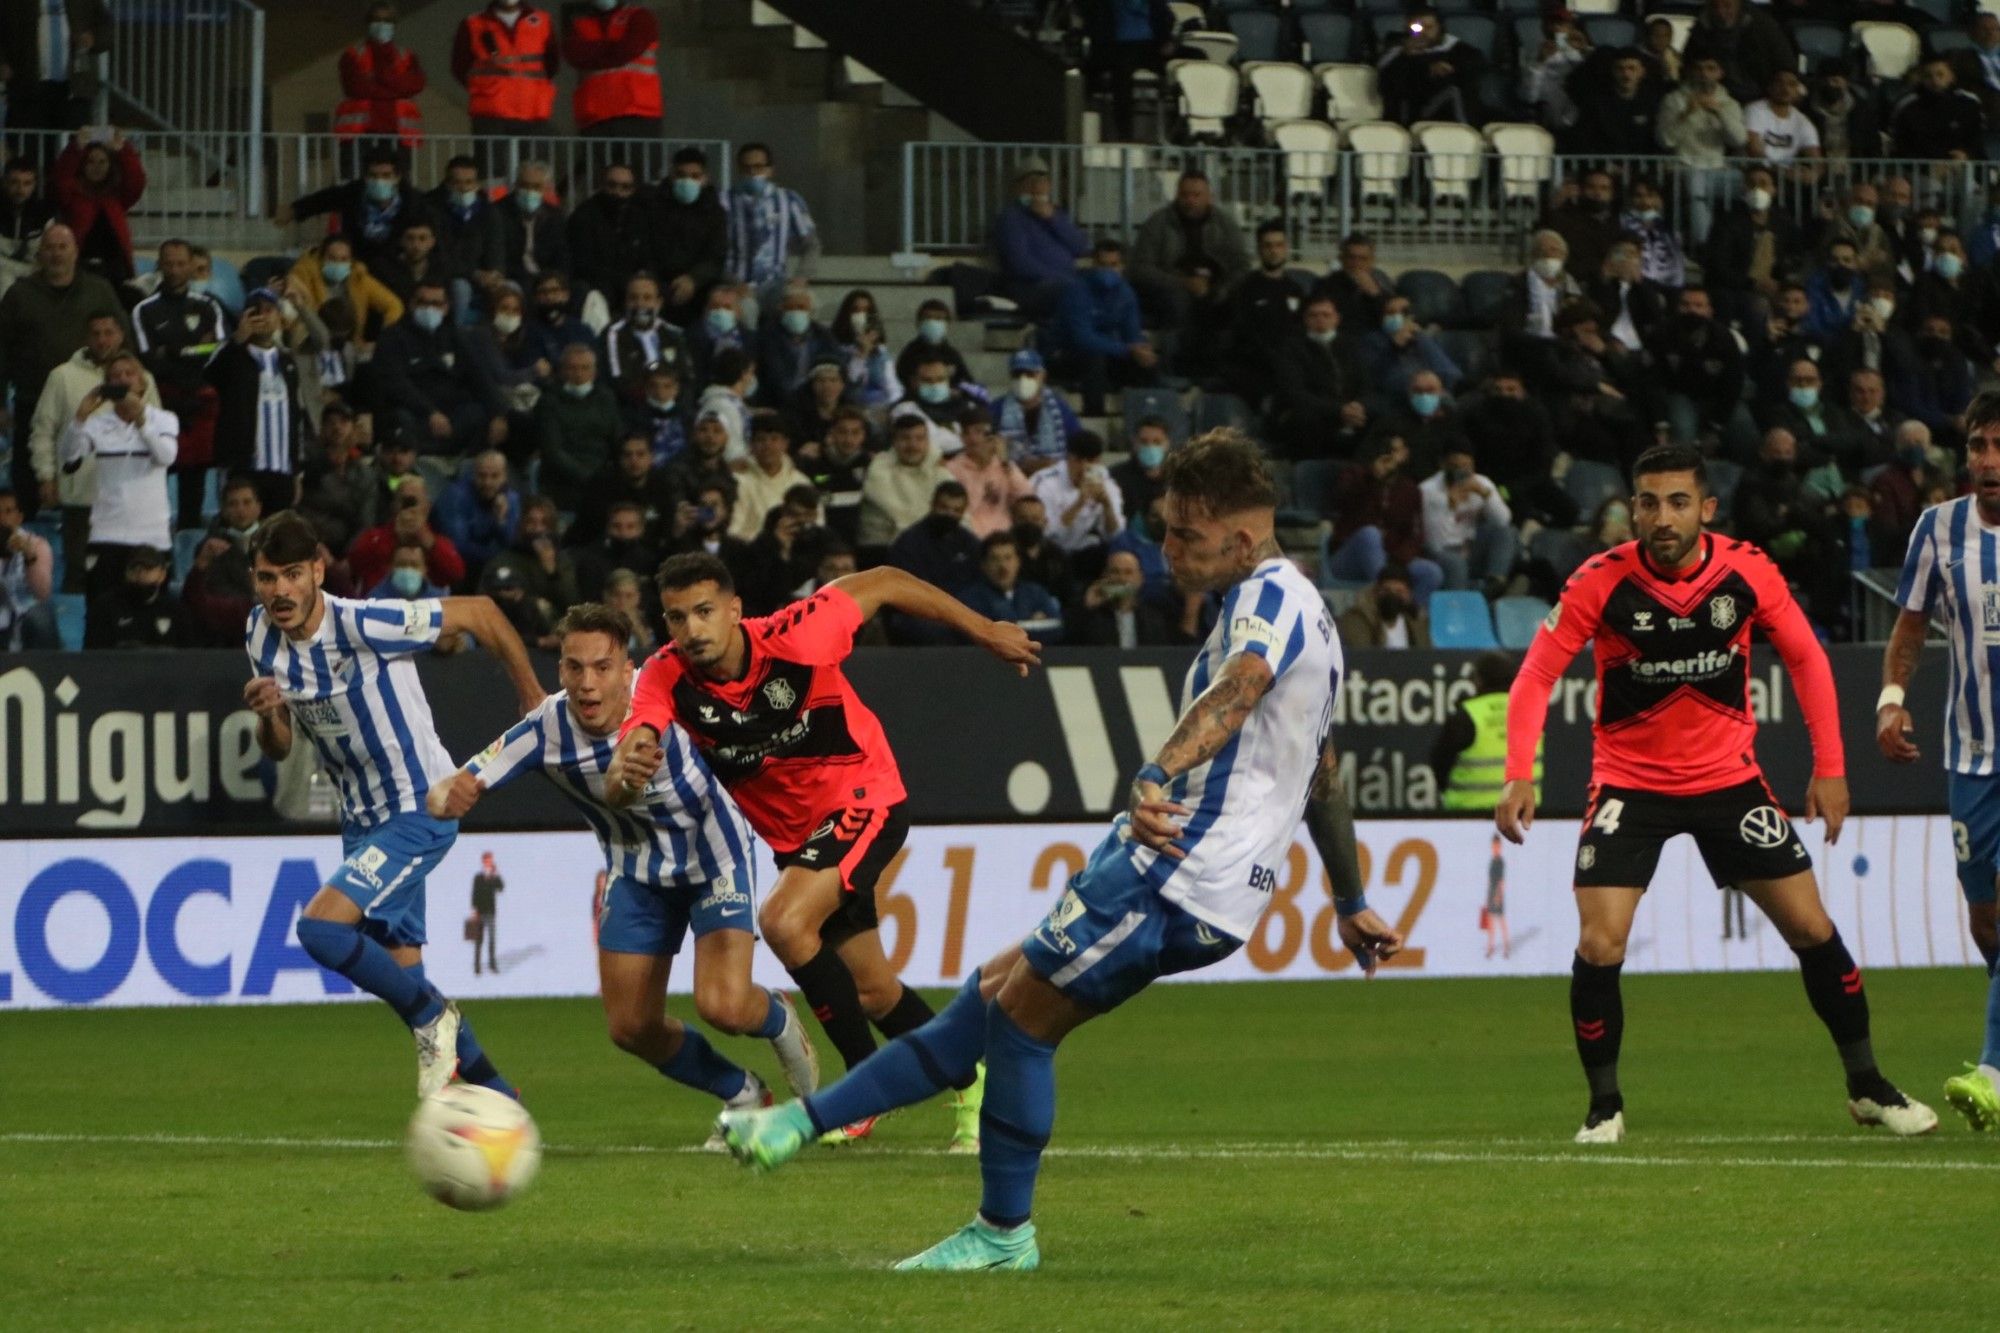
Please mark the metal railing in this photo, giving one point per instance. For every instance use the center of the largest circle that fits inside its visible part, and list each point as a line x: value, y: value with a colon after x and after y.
x: 220, y: 189
x: 1485, y: 200
x: 194, y: 67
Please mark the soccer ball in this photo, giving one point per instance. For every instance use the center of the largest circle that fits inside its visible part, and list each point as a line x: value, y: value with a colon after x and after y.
x: 473, y: 1148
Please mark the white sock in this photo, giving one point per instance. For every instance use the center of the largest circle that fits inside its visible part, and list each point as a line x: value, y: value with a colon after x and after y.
x: 751, y: 1095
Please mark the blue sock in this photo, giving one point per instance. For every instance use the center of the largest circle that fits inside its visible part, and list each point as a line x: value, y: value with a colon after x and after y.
x: 1014, y: 1125
x: 774, y: 1017
x: 1991, y: 1055
x: 701, y: 1067
x: 910, y: 1069
x: 473, y: 1065
x: 342, y: 948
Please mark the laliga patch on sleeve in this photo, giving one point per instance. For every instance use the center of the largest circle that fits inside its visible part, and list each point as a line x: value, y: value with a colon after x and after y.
x: 1550, y: 620
x: 486, y: 756
x: 1247, y: 630
x: 417, y: 617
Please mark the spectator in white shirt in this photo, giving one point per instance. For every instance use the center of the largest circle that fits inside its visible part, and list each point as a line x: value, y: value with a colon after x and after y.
x: 1468, y: 528
x: 761, y: 487
x: 134, y: 444
x: 1779, y: 132
x: 1084, y: 506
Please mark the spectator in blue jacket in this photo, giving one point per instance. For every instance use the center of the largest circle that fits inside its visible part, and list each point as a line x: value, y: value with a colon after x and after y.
x: 790, y: 343
x: 1000, y: 593
x: 1938, y: 386
x: 1096, y: 334
x: 1833, y: 290
x: 1036, y: 243
x: 479, y: 512
x: 1399, y: 349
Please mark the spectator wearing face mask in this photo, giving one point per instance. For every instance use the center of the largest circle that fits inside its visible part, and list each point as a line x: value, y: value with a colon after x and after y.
x: 840, y: 471
x: 1041, y: 559
x: 1539, y: 292
x: 406, y: 580
x: 409, y: 520
x: 1142, y: 476
x: 932, y: 394
x: 137, y: 611
x: 720, y: 332
x: 1938, y: 385
x: 624, y: 545
x: 1428, y: 422
x: 1513, y: 436
x: 369, y: 212
x: 1853, y: 219
x: 1588, y: 223
x: 662, y: 419
x: 532, y: 226
x: 791, y: 344
x: 418, y: 259
x: 630, y: 478
x: 1036, y: 243
x: 1803, y: 416
x: 1399, y: 349
x: 1084, y: 505
x: 611, y: 233
x: 470, y: 236
x: 705, y: 462
x: 770, y: 228
x: 424, y: 372
x: 872, y: 380
x: 543, y: 567
x: 1702, y: 369
x: 639, y: 341
x: 353, y: 304
x: 1632, y: 306
x: 691, y: 236
x: 578, y: 427
x: 1897, y: 490
x: 939, y: 549
x: 1317, y: 405
x: 1032, y: 417
x: 1660, y: 257
x: 1947, y: 289
x: 1096, y: 336
x: 1752, y: 250
x: 934, y: 338
x: 380, y: 83
x: 732, y: 388
x: 1386, y: 615
x: 1833, y: 290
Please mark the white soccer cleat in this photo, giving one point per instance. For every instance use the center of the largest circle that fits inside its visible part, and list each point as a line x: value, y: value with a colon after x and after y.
x: 1905, y: 1119
x: 795, y: 1051
x: 437, y: 1051
x: 754, y: 1095
x: 1609, y: 1129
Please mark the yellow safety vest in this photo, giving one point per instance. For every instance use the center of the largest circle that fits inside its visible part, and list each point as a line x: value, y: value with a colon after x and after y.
x: 1480, y: 774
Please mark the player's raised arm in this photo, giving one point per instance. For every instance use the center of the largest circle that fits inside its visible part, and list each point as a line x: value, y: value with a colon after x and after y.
x: 884, y: 586
x: 274, y: 719
x: 517, y: 751
x: 1330, y: 821
x: 479, y: 617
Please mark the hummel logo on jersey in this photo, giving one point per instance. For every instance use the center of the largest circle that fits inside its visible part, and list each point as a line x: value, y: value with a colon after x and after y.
x: 1765, y: 827
x: 1642, y: 621
x: 708, y: 713
x: 1722, y: 612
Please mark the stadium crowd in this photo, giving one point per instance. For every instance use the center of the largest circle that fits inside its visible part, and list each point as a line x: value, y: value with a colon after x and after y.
x: 538, y: 389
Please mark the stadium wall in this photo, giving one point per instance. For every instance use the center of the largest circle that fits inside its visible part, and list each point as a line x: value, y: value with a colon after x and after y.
x: 126, y: 743
x: 157, y: 921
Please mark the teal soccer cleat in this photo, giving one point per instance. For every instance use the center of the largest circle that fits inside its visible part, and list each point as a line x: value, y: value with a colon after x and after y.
x: 977, y: 1247
x: 765, y: 1138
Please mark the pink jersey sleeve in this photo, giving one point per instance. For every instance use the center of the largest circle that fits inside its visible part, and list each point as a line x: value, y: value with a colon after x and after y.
x: 818, y: 631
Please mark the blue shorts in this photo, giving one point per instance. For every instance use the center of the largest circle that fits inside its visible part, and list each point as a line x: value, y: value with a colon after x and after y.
x: 1112, y: 935
x: 1975, y: 834
x: 653, y: 919
x: 384, y: 873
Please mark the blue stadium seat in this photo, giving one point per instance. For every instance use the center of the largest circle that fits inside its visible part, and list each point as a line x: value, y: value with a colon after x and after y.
x: 186, y: 542
x: 1470, y: 348
x: 1304, y: 8
x: 1260, y: 34
x: 1520, y: 7
x: 1940, y: 10
x: 1328, y: 37
x: 1819, y: 41
x: 1312, y: 490
x: 1485, y: 291
x: 1162, y: 403
x: 1591, y: 484
x: 1433, y: 296
x: 1461, y: 620
x: 1944, y: 41
x: 1212, y: 411
x: 1611, y: 30
x: 1516, y: 619
x: 69, y: 619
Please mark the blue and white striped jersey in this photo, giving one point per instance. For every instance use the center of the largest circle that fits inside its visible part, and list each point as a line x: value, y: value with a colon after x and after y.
x: 1954, y: 559
x: 1247, y: 799
x: 353, y: 691
x: 685, y: 830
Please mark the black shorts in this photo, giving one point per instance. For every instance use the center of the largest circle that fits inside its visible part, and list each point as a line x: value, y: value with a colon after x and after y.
x: 859, y: 843
x: 1741, y: 831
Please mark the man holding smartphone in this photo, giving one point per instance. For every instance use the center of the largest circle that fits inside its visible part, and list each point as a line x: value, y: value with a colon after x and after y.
x: 134, y: 444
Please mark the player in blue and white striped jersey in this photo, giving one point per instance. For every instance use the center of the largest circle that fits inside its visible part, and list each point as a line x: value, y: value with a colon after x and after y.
x: 678, y: 857
x: 1180, y: 881
x: 340, y: 673
x: 1953, y: 570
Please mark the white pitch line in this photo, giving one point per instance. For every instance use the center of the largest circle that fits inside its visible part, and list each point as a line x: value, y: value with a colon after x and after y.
x: 1386, y: 1152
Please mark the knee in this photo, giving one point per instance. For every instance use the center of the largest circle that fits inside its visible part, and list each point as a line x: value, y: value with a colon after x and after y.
x: 727, y: 1007
x: 1985, y: 932
x: 634, y: 1033
x: 326, y: 942
x: 789, y: 929
x: 877, y: 997
x: 1600, y: 946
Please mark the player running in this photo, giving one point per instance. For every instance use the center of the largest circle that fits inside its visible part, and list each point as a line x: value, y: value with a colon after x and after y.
x: 1180, y: 881
x: 340, y: 673
x: 1954, y: 565
x: 681, y: 858
x: 766, y: 703
x: 1670, y: 617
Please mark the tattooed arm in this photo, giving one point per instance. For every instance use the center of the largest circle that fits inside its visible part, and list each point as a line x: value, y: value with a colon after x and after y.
x: 1330, y: 821
x: 1899, y: 667
x: 1209, y: 723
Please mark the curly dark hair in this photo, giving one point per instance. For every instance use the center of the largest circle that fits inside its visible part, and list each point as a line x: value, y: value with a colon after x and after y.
x: 1222, y: 471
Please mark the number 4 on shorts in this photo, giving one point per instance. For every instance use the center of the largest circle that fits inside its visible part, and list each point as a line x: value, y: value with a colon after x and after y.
x: 1608, y: 816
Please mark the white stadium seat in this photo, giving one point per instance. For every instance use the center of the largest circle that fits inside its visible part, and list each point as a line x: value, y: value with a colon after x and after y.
x: 1381, y: 151
x: 1351, y: 93
x: 1893, y: 48
x: 1527, y: 159
x: 1217, y: 46
x: 1454, y: 156
x: 1208, y: 94
x: 1283, y: 91
x: 1312, y: 154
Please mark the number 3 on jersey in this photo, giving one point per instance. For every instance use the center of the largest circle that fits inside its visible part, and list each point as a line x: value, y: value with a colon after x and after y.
x: 1608, y: 816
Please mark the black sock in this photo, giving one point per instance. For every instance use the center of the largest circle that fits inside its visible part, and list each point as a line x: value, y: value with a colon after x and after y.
x: 1833, y: 985
x: 829, y: 988
x: 1598, y: 1011
x: 909, y: 1014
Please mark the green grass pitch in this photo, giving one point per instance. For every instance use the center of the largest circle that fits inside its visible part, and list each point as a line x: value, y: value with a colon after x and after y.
x: 1227, y: 1156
